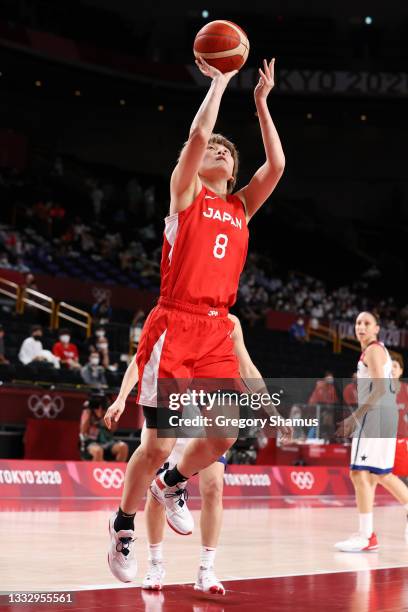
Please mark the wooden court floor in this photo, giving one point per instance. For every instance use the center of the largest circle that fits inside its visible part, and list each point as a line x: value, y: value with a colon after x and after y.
x: 67, y: 550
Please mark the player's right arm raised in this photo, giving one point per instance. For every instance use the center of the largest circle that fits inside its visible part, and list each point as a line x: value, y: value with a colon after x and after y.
x: 185, y: 183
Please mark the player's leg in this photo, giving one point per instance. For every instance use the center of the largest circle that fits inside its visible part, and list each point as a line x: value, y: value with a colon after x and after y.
x: 364, y: 486
x: 140, y: 471
x: 211, y: 489
x: 155, y: 521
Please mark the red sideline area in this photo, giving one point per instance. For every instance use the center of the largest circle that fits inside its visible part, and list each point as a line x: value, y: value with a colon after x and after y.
x: 380, y: 589
x: 78, y: 481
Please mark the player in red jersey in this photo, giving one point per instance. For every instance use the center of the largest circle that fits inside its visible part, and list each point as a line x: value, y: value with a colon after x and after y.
x: 187, y: 335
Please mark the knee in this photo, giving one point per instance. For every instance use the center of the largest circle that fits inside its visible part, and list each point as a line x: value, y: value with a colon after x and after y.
x: 211, y: 491
x: 97, y: 453
x: 358, y: 477
x: 154, y: 455
x: 220, y: 445
x: 384, y: 479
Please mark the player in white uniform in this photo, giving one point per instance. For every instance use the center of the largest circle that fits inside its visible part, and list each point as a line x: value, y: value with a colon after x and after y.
x: 211, y: 481
x: 374, y: 429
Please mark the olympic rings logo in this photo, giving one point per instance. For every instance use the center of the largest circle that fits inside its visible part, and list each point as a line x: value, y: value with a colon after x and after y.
x: 45, y: 406
x: 303, y: 480
x: 108, y: 478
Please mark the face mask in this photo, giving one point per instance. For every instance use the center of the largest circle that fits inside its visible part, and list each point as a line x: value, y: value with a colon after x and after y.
x: 65, y: 339
x: 100, y: 333
x: 94, y: 361
x: 103, y: 346
x: 37, y: 336
x: 329, y: 380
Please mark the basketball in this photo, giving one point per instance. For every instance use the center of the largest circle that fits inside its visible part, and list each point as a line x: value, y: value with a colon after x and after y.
x: 222, y: 44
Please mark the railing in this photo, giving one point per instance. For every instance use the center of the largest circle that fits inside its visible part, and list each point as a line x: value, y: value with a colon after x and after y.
x: 350, y: 343
x: 36, y: 300
x: 324, y: 333
x: 86, y: 323
x: 11, y: 290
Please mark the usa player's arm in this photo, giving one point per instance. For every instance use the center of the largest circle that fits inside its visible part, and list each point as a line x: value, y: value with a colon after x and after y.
x: 251, y: 375
x: 185, y: 183
x: 130, y: 379
x: 247, y: 368
x: 267, y: 176
x: 375, y: 360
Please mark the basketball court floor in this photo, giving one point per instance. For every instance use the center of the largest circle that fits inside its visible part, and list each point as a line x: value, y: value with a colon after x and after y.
x: 274, y: 554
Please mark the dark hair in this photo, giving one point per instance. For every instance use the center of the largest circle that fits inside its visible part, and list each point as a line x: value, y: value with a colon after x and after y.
x: 35, y: 328
x: 398, y: 358
x: 63, y: 330
x: 373, y: 314
x: 221, y: 140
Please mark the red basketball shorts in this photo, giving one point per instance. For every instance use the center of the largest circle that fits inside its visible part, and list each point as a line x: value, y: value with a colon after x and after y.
x: 401, y: 458
x: 183, y: 342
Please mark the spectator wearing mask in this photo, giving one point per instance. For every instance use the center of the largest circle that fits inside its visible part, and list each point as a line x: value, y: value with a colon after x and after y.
x: 100, y: 344
x: 32, y: 350
x: 324, y: 391
x: 3, y: 360
x: 350, y: 396
x: 66, y: 351
x: 297, y: 330
x: 93, y: 374
x: 136, y: 328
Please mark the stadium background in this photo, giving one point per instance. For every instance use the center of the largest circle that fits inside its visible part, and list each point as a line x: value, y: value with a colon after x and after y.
x: 96, y: 100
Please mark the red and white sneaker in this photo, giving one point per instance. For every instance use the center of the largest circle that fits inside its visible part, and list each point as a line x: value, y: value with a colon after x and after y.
x: 358, y: 543
x: 153, y: 581
x: 208, y: 582
x: 174, y: 500
x: 121, y: 560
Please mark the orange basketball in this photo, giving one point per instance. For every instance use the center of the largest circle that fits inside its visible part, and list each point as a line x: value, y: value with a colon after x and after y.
x: 222, y: 44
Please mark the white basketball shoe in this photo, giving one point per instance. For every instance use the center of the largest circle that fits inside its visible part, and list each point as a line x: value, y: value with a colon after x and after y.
x: 358, y: 543
x: 174, y: 500
x: 153, y: 580
x: 122, y: 562
x: 208, y: 582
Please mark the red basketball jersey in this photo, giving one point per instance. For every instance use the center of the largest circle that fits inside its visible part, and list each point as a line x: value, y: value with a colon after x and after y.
x: 204, y: 251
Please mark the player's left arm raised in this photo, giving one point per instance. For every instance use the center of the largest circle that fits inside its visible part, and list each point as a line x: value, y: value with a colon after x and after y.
x: 267, y: 176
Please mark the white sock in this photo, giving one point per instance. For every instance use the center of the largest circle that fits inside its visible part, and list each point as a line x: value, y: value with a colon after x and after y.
x: 366, y: 524
x: 207, y: 557
x: 155, y: 553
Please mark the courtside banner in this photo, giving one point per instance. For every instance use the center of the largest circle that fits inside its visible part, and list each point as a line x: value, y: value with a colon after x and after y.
x: 99, y: 480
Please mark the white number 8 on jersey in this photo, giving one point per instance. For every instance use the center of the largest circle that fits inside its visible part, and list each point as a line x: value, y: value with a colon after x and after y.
x: 220, y: 246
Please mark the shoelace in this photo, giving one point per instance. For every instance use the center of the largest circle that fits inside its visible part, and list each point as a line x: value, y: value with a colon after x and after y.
x: 124, y: 549
x: 179, y: 493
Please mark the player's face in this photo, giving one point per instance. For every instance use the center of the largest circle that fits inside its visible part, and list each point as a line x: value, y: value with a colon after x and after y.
x: 396, y: 369
x: 217, y: 162
x: 366, y: 327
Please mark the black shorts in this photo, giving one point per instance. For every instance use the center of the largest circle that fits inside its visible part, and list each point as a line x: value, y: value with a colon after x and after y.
x: 154, y: 419
x: 107, y: 450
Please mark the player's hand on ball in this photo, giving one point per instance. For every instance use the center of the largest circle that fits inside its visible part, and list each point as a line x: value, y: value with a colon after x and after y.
x: 266, y: 80
x: 211, y: 72
x: 114, y: 412
x: 345, y: 428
